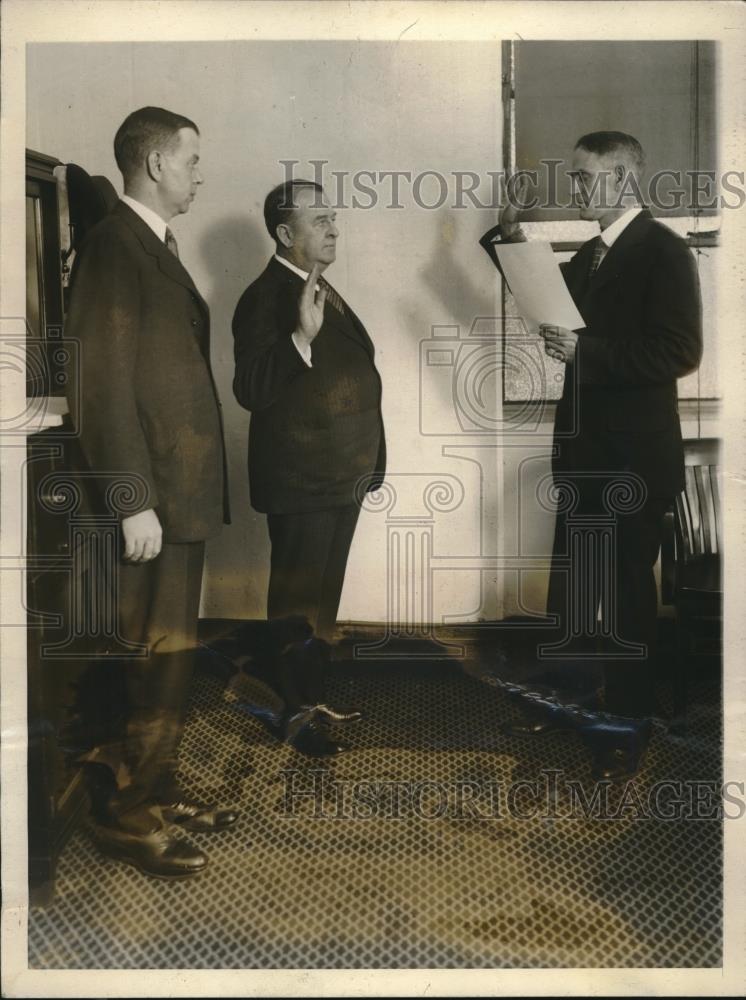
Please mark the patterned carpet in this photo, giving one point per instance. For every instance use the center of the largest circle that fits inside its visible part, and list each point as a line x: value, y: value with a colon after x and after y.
x: 416, y: 849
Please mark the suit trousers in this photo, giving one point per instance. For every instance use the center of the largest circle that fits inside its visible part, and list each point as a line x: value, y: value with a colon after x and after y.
x: 618, y: 576
x: 158, y: 606
x: 308, y: 563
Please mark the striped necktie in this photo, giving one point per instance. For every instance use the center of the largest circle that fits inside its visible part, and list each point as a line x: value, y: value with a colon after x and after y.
x: 599, y: 251
x: 332, y: 297
x: 171, y: 243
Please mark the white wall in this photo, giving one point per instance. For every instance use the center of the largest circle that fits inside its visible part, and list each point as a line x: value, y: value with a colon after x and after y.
x: 359, y: 105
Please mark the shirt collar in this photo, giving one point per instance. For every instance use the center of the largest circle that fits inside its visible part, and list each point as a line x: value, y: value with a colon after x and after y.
x: 297, y: 270
x: 148, y: 216
x: 615, y: 230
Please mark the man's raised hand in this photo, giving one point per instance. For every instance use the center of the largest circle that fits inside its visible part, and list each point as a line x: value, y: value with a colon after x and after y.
x: 311, y: 308
x: 517, y: 190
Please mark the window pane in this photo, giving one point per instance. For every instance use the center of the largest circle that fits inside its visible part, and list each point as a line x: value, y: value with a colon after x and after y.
x: 663, y: 93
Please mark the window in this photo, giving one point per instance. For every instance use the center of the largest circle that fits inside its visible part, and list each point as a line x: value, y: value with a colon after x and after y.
x: 663, y: 93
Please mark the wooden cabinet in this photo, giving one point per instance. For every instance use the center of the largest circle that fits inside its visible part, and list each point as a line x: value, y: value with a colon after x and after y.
x: 45, y: 277
x: 59, y: 580
x: 73, y: 535
x: 57, y: 492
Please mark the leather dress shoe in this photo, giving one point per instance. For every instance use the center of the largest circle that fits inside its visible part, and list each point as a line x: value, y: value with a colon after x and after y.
x: 311, y: 740
x: 292, y: 724
x: 618, y: 746
x: 545, y: 714
x: 327, y: 714
x: 158, y: 854
x: 539, y: 722
x: 198, y: 816
x: 271, y: 720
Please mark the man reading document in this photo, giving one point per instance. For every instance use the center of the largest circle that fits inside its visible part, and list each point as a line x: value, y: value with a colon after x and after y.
x: 637, y: 290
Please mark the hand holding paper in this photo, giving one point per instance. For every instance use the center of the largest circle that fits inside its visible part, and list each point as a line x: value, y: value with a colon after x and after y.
x: 559, y: 342
x: 536, y: 283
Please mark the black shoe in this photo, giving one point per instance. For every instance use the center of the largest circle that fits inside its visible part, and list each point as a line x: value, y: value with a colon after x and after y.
x: 313, y: 742
x: 618, y: 746
x: 539, y: 722
x: 327, y: 714
x: 545, y: 714
x: 158, y: 853
x: 271, y: 720
x: 535, y: 727
x: 198, y: 816
x: 291, y: 725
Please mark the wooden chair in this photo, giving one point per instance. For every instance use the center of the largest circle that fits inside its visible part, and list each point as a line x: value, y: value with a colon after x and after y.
x: 691, y: 565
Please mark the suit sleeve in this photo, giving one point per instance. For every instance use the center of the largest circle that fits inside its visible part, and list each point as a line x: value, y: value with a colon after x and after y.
x: 267, y: 360
x: 668, y: 346
x: 379, y: 473
x: 104, y: 317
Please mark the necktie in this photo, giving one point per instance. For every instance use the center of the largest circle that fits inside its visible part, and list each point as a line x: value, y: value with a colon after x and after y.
x: 598, y: 255
x: 171, y: 243
x: 332, y: 297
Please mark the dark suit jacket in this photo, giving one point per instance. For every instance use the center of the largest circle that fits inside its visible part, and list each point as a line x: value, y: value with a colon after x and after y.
x: 643, y: 316
x: 143, y: 400
x: 317, y: 432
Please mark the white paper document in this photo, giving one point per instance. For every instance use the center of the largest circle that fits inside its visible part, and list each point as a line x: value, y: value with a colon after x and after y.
x: 536, y: 283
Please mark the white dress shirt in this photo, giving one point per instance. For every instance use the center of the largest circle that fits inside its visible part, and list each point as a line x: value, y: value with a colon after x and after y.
x: 303, y: 349
x: 148, y: 216
x: 612, y: 232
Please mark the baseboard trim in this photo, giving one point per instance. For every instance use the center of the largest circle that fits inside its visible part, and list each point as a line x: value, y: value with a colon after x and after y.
x: 375, y: 641
x: 471, y: 634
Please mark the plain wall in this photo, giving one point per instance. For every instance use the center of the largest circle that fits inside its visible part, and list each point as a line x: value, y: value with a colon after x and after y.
x: 358, y: 105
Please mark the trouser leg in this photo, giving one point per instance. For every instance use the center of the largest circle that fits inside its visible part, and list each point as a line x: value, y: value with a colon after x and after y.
x: 334, y: 572
x: 308, y: 562
x: 573, y: 600
x: 629, y: 684
x: 574, y: 596
x: 159, y: 604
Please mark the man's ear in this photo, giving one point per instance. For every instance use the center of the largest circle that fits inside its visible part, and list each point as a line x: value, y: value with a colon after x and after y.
x: 620, y: 173
x: 285, y: 235
x: 153, y: 165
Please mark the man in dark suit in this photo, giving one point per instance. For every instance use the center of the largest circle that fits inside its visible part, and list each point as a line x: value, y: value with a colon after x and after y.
x: 305, y: 369
x: 636, y: 287
x: 145, y: 407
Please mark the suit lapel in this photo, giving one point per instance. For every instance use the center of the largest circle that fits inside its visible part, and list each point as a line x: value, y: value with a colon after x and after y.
x: 170, y: 265
x: 351, y: 327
